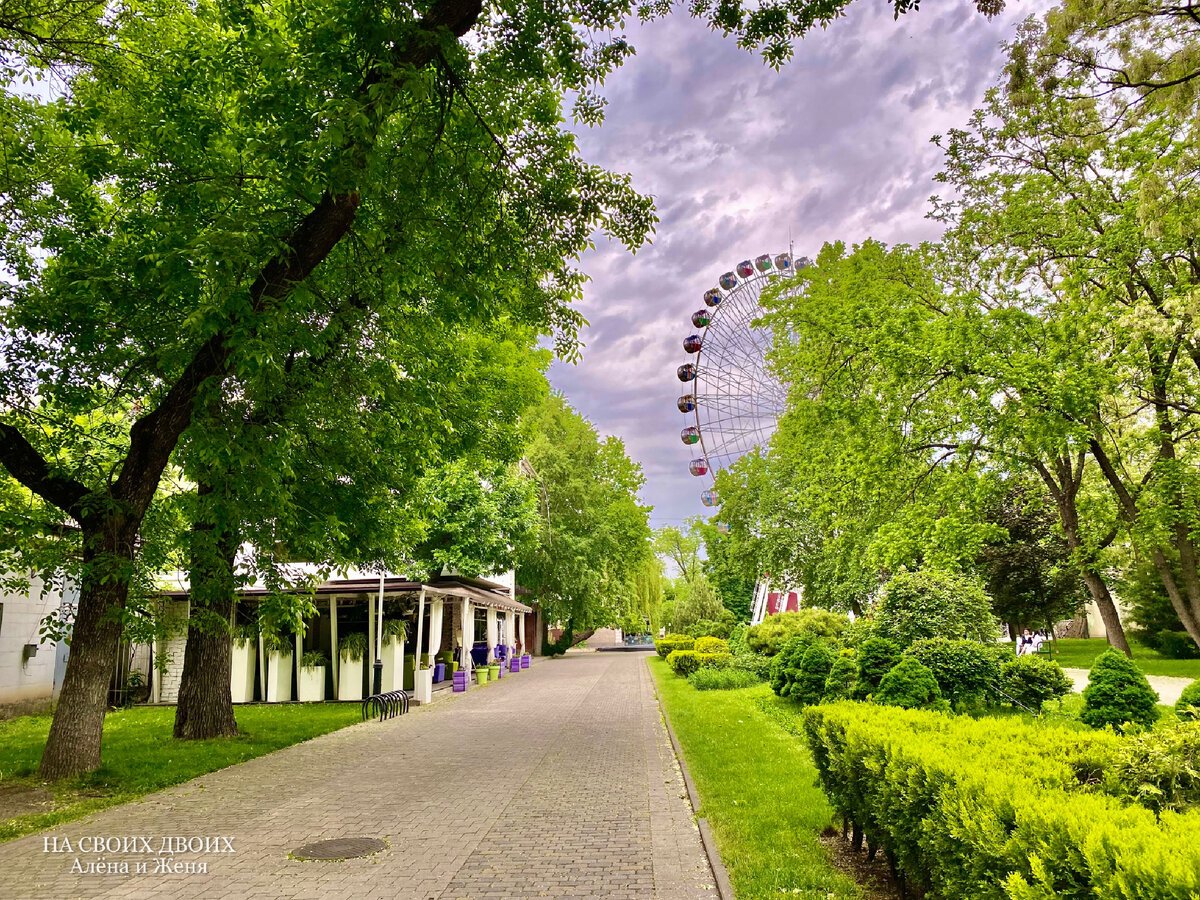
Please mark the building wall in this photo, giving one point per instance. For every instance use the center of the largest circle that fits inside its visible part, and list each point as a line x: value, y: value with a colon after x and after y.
x: 28, y: 684
x: 605, y: 637
x: 174, y: 647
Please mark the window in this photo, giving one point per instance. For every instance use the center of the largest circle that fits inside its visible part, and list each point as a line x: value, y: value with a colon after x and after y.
x: 481, y: 635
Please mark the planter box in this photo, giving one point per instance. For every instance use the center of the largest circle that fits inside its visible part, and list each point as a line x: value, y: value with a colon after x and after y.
x: 493, y: 673
x: 460, y: 681
x: 350, y: 675
x: 514, y: 665
x: 481, y: 675
x: 310, y: 687
x: 393, y: 664
x: 424, y: 680
x: 525, y: 661
x: 241, y: 673
x: 279, y: 677
x: 439, y: 673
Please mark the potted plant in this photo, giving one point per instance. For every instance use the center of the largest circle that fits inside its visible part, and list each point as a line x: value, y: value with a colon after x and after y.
x: 395, y: 633
x: 244, y: 661
x: 278, y: 648
x: 493, y: 670
x: 310, y: 687
x: 424, y: 684
x: 352, y: 649
x: 481, y: 675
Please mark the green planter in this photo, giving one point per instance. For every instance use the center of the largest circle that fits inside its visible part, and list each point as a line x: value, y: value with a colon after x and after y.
x: 481, y: 676
x: 493, y: 672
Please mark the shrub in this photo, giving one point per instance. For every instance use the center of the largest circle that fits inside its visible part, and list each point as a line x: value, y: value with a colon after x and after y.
x: 930, y: 604
x: 876, y: 656
x: 669, y: 642
x: 992, y: 808
x: 758, y: 666
x: 1188, y: 704
x: 808, y: 685
x: 786, y: 663
x: 1159, y: 769
x: 858, y: 631
x: 964, y: 670
x: 710, y: 679
x: 718, y: 628
x: 1118, y: 693
x: 711, y: 645
x: 313, y: 659
x: 737, y: 639
x: 1030, y: 681
x: 842, y: 675
x: 909, y: 685
x: 353, y: 646
x: 683, y: 662
x: 770, y: 635
x: 1177, y: 645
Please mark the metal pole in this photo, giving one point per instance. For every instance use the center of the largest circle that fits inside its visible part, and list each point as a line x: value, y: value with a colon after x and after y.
x: 378, y: 680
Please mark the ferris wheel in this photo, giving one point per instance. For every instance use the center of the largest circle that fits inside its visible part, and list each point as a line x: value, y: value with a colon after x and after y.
x: 734, y: 402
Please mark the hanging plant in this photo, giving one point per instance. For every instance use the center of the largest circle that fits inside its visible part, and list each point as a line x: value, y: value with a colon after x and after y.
x: 354, y: 646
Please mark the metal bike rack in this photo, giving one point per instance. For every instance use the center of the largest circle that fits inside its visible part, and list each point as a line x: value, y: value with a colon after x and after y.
x: 385, y: 705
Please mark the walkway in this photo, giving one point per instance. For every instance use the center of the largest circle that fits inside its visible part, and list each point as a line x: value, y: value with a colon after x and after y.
x: 1167, y: 687
x: 557, y: 782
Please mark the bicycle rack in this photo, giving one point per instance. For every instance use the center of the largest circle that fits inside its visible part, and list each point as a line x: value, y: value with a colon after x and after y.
x: 386, y: 705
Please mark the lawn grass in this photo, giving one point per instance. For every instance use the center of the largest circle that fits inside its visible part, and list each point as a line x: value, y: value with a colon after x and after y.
x: 758, y: 790
x: 1080, y: 653
x: 140, y: 756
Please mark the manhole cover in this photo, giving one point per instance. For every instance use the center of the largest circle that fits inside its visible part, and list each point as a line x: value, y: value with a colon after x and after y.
x: 340, y: 848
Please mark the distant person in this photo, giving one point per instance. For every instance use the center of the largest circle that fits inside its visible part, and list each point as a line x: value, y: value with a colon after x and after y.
x: 1038, y: 640
x: 1025, y: 643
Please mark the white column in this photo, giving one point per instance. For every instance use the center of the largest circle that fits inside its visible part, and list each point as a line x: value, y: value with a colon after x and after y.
x: 420, y: 632
x: 262, y: 667
x: 521, y: 628
x: 491, y: 632
x: 468, y: 634
x: 334, y: 657
x: 436, y: 612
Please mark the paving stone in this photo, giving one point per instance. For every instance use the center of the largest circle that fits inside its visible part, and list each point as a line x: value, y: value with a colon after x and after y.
x: 558, y: 782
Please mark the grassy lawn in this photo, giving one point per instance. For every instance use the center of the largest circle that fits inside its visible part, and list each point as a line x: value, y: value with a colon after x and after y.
x: 140, y: 756
x: 758, y: 790
x: 1080, y: 653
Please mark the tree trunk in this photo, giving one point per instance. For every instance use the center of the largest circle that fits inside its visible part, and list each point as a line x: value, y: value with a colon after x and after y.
x: 205, y: 706
x: 1108, y: 611
x: 76, y: 732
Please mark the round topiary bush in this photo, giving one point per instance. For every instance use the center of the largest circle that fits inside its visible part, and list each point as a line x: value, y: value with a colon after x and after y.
x: 1030, y: 681
x: 1187, y: 707
x: 910, y: 685
x: 808, y: 684
x: 683, y: 662
x: 965, y: 671
x: 786, y: 663
x: 876, y: 656
x: 930, y: 603
x: 770, y: 635
x: 1118, y: 693
x: 842, y: 675
x: 669, y: 643
x: 711, y: 645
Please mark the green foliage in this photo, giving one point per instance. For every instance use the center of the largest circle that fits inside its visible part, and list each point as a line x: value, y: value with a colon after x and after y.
x: 929, y: 603
x: 1118, y: 694
x: 712, y: 627
x: 737, y: 639
x: 277, y: 642
x: 786, y: 663
x: 669, y: 642
x: 685, y: 662
x: 769, y: 636
x: 698, y: 610
x: 1176, y: 645
x: 965, y: 671
x: 717, y: 679
x: 1159, y: 769
x: 1032, y: 680
x: 799, y: 670
x: 1188, y: 705
x: 756, y: 665
x: 711, y: 645
x: 353, y: 646
x: 876, y: 657
x: 245, y: 633
x: 842, y: 676
x: 396, y: 628
x: 313, y: 659
x: 909, y: 685
x: 993, y: 808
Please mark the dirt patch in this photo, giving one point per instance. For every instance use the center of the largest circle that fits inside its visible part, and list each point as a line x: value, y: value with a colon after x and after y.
x: 875, y: 877
x: 17, y: 799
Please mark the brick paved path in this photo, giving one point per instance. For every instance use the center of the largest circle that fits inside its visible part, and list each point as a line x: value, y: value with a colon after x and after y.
x: 558, y: 782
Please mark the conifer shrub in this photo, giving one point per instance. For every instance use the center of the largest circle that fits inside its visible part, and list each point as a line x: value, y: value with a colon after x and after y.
x: 758, y: 666
x: 876, y: 656
x: 909, y: 685
x: 711, y: 645
x: 710, y: 679
x: 808, y: 685
x: 1030, y: 681
x: 842, y: 676
x: 671, y: 642
x: 1117, y: 693
x: 964, y: 670
x: 1187, y: 707
x: 930, y: 603
x: 1177, y: 645
x: 684, y: 662
x: 771, y: 635
x: 786, y: 663
x: 1160, y: 769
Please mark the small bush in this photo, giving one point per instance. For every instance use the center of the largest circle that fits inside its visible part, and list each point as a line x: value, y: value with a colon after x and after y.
x: 909, y: 685
x: 770, y: 636
x: 671, y: 642
x: 758, y: 666
x: 1030, y: 681
x: 808, y: 685
x: 1118, y: 693
x: 858, y: 631
x: 1159, y: 769
x: 964, y: 670
x: 786, y: 663
x: 683, y: 662
x: 737, y: 639
x: 930, y: 604
x: 710, y: 679
x: 842, y: 675
x: 718, y: 628
x: 876, y: 656
x: 1177, y: 645
x: 711, y: 645
x: 1188, y: 705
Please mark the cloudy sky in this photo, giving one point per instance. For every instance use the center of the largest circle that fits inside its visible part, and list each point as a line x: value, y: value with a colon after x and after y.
x: 738, y: 158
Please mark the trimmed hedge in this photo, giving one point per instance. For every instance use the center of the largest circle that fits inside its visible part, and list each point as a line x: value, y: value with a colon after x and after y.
x: 1030, y: 681
x: 910, y: 685
x: 684, y: 662
x: 709, y: 679
x: 1118, y: 693
x: 842, y: 675
x: 711, y: 645
x: 1188, y: 704
x: 669, y: 643
x: 770, y: 636
x: 993, y: 808
x: 966, y: 671
x: 876, y: 656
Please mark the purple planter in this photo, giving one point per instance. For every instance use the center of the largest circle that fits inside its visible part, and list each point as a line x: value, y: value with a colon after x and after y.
x: 460, y: 681
x: 514, y: 665
x: 439, y: 672
x: 525, y: 660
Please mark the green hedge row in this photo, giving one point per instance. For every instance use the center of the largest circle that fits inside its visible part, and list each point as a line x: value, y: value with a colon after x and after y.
x: 997, y: 808
x: 669, y: 643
